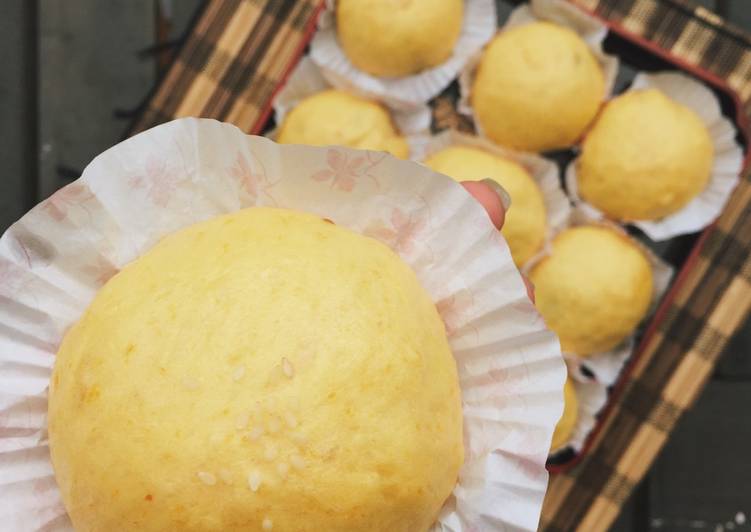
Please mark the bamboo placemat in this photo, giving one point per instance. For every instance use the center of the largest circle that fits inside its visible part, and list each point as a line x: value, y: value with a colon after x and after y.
x: 237, y: 55
x: 240, y: 51
x: 710, y: 302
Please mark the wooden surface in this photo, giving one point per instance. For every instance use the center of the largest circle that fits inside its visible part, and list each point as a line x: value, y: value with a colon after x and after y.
x: 88, y: 69
x: 69, y: 65
x: 17, y: 116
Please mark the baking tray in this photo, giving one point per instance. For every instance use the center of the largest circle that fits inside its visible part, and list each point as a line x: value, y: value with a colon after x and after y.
x: 636, y: 55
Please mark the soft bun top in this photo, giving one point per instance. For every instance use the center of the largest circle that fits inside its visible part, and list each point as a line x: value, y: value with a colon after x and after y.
x: 646, y: 157
x: 338, y: 117
x: 526, y: 220
x: 264, y: 370
x: 593, y: 289
x: 393, y: 38
x: 537, y: 87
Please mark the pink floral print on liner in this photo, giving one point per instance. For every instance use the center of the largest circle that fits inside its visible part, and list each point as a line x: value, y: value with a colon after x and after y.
x: 454, y: 308
x: 252, y: 183
x: 159, y: 181
x: 401, y: 233
x: 344, y: 172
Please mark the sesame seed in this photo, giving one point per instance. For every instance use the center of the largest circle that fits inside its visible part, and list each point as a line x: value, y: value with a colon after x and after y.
x: 297, y: 461
x: 190, y: 383
x: 328, y: 449
x: 242, y: 421
x: 282, y: 469
x: 270, y: 403
x: 270, y: 453
x: 207, y: 478
x: 254, y: 480
x: 226, y: 476
x: 298, y: 438
x: 289, y: 369
x: 274, y: 425
x: 291, y: 420
x: 238, y: 373
x: 255, y: 433
x: 268, y: 524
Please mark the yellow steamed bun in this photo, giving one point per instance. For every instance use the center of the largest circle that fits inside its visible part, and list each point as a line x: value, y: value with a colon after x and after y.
x: 593, y: 290
x: 565, y: 427
x: 393, y: 38
x: 335, y: 117
x: 261, y: 370
x: 537, y: 87
x: 646, y: 157
x: 525, y: 224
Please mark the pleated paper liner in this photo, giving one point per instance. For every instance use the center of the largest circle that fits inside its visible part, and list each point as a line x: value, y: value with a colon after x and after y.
x: 596, y: 373
x: 728, y: 159
x: 543, y: 171
x: 591, y: 399
x: 307, y: 79
x: 478, y: 26
x: 53, y: 261
x: 559, y: 12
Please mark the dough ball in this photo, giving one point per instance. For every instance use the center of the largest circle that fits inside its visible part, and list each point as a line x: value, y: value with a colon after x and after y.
x: 525, y: 225
x: 646, y: 157
x: 396, y: 38
x: 264, y: 370
x: 537, y: 87
x: 593, y: 290
x: 335, y: 117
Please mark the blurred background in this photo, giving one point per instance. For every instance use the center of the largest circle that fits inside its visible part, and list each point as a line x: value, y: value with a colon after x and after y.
x: 75, y: 74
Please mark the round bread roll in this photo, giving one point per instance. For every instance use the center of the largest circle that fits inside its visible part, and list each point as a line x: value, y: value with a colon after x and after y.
x: 394, y: 38
x: 264, y: 370
x: 525, y: 224
x: 537, y: 87
x: 646, y: 157
x: 593, y: 289
x: 565, y: 427
x: 335, y: 117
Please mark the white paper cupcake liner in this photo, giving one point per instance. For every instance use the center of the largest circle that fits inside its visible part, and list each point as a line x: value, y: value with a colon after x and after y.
x: 53, y: 261
x: 601, y: 368
x: 592, y: 398
x: 728, y: 159
x: 559, y: 12
x: 306, y: 80
x: 543, y: 171
x: 478, y: 26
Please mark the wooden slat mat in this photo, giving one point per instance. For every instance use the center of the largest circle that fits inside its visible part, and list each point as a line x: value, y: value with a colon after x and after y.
x: 241, y: 50
x: 237, y: 54
x: 710, y: 303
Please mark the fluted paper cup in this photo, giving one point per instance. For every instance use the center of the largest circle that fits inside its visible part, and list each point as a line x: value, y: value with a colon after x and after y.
x: 726, y: 168
x: 559, y: 12
x: 478, y: 26
x: 55, y: 258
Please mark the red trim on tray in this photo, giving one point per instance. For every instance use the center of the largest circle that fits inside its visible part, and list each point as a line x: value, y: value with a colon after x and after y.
x: 741, y: 122
x: 306, y: 38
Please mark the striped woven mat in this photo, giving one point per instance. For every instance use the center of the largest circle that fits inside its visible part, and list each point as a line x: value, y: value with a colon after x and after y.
x: 240, y: 51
